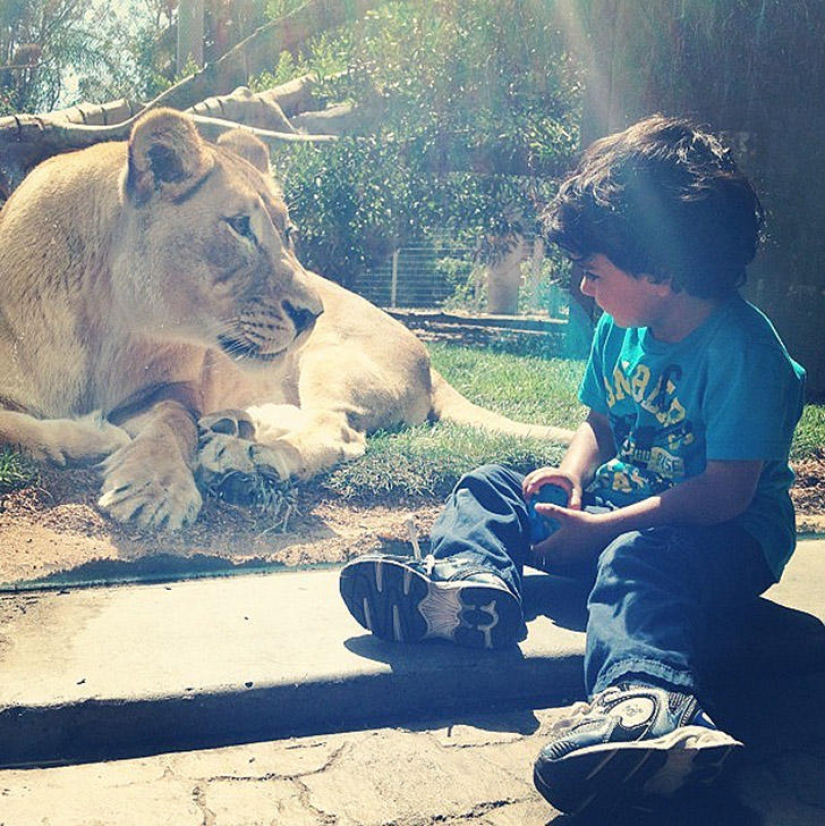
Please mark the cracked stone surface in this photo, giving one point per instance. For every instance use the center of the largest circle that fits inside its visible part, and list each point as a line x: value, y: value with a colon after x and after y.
x: 455, y: 773
x: 462, y: 770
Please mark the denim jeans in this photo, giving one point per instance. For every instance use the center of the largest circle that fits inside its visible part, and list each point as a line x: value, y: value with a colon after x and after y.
x: 653, y: 589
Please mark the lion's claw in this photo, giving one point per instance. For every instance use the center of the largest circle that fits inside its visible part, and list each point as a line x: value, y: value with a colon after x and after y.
x: 153, y: 492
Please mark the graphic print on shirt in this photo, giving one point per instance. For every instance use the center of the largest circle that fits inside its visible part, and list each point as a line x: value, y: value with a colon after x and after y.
x: 650, y: 428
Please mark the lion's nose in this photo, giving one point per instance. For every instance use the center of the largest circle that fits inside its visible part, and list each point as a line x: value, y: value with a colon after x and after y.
x: 301, y: 317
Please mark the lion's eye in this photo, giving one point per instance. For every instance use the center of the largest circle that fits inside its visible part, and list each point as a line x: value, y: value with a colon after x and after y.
x: 242, y: 226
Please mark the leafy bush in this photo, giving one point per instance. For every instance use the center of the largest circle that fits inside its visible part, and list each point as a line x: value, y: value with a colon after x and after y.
x: 809, y: 439
x: 470, y: 108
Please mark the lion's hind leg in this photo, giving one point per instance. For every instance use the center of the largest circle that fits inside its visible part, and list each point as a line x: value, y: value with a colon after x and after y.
x: 81, y: 441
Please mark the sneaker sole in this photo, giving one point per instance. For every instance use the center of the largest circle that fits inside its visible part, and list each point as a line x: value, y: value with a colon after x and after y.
x: 612, y: 774
x: 395, y: 602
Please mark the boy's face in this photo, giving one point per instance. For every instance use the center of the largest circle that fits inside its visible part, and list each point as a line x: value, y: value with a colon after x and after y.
x: 632, y: 301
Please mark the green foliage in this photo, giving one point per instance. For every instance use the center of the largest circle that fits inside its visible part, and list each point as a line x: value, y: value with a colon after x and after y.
x: 477, y: 107
x: 474, y: 71
x: 279, y: 8
x: 63, y: 51
x: 809, y: 439
x: 40, y: 41
x: 351, y: 202
x: 286, y: 69
x: 463, y: 278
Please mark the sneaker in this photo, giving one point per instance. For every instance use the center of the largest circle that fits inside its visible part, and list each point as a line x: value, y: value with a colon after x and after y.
x: 404, y: 599
x: 630, y: 744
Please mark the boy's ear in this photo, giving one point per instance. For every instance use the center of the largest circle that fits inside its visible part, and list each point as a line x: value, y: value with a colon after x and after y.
x: 663, y: 286
x: 166, y: 156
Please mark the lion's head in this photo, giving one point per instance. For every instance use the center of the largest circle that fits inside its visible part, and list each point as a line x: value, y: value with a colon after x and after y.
x: 203, y: 251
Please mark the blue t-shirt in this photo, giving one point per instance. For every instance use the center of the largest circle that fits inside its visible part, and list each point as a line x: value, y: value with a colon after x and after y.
x: 728, y: 391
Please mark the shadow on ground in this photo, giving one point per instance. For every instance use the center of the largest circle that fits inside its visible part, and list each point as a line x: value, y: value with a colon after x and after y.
x: 765, y: 674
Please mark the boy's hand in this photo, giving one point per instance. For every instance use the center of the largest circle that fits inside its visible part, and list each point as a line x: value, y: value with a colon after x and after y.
x: 582, y: 536
x: 552, y: 476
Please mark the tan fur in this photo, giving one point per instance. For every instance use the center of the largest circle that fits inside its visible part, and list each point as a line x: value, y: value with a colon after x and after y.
x: 149, y: 284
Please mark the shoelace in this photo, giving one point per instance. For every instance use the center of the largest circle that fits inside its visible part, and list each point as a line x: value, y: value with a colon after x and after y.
x: 429, y: 560
x: 578, y: 711
x: 412, y: 532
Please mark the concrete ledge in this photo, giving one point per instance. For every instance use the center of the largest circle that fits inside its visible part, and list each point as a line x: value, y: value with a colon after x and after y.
x: 102, y: 673
x: 99, y: 673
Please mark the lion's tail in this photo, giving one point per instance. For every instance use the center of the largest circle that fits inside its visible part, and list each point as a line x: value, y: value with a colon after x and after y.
x: 449, y: 405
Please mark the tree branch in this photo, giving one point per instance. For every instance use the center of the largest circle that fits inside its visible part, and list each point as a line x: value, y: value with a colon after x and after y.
x: 26, y: 140
x: 213, y: 128
x: 256, y: 53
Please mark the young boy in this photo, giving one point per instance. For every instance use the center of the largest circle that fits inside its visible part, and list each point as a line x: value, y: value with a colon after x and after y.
x: 677, y: 480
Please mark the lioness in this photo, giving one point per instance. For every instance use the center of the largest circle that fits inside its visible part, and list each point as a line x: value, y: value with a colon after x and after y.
x: 149, y: 285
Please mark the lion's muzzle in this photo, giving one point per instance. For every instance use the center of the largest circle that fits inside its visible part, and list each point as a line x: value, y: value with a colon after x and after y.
x: 303, y: 318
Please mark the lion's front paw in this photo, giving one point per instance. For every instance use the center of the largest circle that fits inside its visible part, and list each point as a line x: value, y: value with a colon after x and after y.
x: 231, y: 422
x: 234, y: 467
x: 150, y: 489
x: 227, y: 445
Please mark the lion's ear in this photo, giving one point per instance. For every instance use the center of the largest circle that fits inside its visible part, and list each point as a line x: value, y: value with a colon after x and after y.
x: 166, y: 155
x: 248, y: 147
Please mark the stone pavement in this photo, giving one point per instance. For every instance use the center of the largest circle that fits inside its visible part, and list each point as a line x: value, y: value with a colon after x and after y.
x: 204, y: 703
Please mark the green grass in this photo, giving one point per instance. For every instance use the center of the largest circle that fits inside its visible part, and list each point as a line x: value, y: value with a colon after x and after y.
x: 530, y: 388
x: 16, y: 471
x: 429, y: 459
x: 809, y: 439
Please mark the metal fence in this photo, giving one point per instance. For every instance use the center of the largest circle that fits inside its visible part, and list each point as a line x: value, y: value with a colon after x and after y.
x: 441, y: 275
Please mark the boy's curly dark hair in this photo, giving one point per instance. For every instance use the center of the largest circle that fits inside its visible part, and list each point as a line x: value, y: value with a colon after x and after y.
x: 665, y: 199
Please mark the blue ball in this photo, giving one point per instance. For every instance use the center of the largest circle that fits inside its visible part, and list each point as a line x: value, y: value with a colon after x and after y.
x: 540, y: 526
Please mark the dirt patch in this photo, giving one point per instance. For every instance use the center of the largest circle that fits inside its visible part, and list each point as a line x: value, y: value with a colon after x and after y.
x: 808, y: 494
x: 54, y: 532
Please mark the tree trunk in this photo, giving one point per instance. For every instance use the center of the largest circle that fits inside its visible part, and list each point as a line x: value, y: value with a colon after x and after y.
x: 260, y: 50
x: 190, y: 34
x: 504, y: 276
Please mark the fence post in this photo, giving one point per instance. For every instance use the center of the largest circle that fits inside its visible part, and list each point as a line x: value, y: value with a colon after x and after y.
x: 504, y: 275
x: 394, y: 284
x: 190, y: 34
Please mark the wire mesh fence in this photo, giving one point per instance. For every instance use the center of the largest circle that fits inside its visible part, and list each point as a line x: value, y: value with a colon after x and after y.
x: 520, y: 279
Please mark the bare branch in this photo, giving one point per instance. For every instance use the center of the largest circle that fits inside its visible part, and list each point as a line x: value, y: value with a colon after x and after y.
x: 242, y: 106
x: 25, y: 140
x: 94, y: 114
x: 343, y: 118
x: 212, y: 128
x: 294, y: 96
x: 257, y: 52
